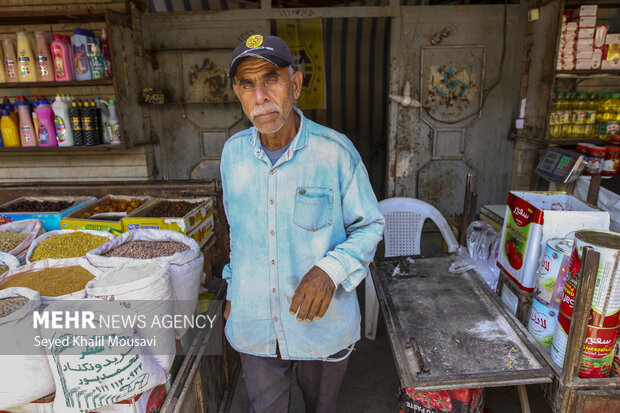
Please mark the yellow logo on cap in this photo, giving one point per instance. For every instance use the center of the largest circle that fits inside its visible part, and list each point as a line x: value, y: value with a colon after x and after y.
x: 254, y: 41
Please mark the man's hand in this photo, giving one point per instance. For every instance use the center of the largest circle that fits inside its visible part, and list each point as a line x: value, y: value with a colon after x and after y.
x: 226, y: 310
x: 313, y: 295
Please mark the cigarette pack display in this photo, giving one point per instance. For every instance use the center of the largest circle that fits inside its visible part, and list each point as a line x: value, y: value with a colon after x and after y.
x: 587, y: 33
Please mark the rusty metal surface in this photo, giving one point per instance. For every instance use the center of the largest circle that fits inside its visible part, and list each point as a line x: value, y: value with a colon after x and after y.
x: 465, y: 337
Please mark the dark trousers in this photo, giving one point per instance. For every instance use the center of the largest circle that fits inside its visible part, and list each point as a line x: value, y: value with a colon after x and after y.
x: 268, y: 383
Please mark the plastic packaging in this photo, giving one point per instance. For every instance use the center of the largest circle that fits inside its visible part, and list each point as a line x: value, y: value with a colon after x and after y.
x: 79, y: 43
x: 114, y: 125
x: 63, y: 59
x: 45, y: 70
x: 95, y: 58
x: 10, y: 130
x: 103, y: 106
x: 75, y: 113
x: 10, y: 60
x: 62, y: 121
x: 25, y: 58
x: 47, y: 128
x: 26, y: 127
x: 105, y: 48
x: 2, y: 69
x: 481, y: 253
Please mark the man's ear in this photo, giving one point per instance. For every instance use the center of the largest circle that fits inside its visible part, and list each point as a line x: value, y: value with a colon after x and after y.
x: 298, y: 79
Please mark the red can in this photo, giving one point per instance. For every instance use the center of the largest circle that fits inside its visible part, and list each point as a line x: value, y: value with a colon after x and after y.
x: 596, y: 156
x: 611, y: 163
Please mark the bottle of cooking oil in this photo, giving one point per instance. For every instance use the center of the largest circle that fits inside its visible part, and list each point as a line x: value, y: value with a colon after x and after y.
x: 553, y: 118
x: 610, y: 125
x: 590, y: 123
x: 600, y: 100
x: 565, y: 115
x: 580, y: 116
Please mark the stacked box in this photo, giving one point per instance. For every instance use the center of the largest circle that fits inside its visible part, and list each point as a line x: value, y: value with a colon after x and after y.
x: 50, y: 220
x: 567, y: 53
x: 585, y: 17
x: 600, y: 49
x: 111, y: 221
x: 611, y: 60
x: 197, y: 223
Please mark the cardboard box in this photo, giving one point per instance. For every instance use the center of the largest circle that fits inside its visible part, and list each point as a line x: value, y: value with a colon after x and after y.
x: 600, y: 35
x: 586, y: 21
x: 111, y: 222
x: 534, y: 217
x: 185, y: 224
x: 584, y: 64
x: 589, y: 10
x: 586, y: 33
x: 50, y: 220
x: 203, y: 232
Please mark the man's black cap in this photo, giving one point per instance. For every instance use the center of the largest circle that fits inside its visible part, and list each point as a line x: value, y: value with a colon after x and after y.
x: 269, y: 48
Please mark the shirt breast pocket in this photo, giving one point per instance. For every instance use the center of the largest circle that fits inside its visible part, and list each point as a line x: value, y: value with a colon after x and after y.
x: 313, y: 207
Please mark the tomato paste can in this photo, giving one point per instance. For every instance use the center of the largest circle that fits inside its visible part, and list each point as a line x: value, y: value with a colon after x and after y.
x: 598, y: 348
x: 542, y: 322
x: 552, y: 271
x: 606, y: 299
x: 615, y: 366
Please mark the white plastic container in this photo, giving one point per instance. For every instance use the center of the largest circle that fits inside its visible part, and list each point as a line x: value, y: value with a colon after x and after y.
x: 113, y: 124
x: 62, y: 120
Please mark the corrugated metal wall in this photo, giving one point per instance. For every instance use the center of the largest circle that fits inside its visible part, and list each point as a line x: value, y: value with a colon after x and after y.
x: 356, y: 59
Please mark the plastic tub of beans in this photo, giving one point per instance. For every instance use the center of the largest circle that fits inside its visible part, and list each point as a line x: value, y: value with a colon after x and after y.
x: 16, y: 237
x: 64, y: 244
x: 53, y: 279
x: 48, y: 209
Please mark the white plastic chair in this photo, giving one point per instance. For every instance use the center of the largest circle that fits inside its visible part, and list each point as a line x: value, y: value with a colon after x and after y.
x: 404, y: 219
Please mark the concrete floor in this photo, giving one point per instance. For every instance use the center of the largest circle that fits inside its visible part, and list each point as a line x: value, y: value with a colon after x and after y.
x: 371, y: 384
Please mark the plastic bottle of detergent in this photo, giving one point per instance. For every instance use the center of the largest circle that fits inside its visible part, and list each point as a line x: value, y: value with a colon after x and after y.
x: 63, y: 59
x: 45, y: 71
x: 25, y: 58
x: 76, y: 124
x: 62, y: 121
x: 6, y: 104
x: 114, y: 125
x: 35, y: 117
x: 10, y: 60
x: 95, y: 57
x: 103, y: 107
x: 79, y: 43
x: 47, y: 128
x: 26, y: 128
x: 10, y: 130
x: 2, y: 69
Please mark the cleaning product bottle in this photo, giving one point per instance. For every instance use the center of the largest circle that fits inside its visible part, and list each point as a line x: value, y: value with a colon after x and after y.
x: 75, y: 114
x: 102, y: 105
x: 47, y: 128
x: 62, y: 121
x: 10, y: 130
x: 97, y: 122
x: 35, y: 117
x: 25, y: 58
x: 10, y: 60
x: 45, y: 72
x: 105, y: 48
x: 26, y: 128
x: 95, y: 58
x: 79, y: 43
x: 63, y: 59
x: 6, y: 104
x: 88, y: 125
x: 2, y: 69
x: 114, y: 125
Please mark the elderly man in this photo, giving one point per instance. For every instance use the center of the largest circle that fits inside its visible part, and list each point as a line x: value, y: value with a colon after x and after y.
x: 304, y: 224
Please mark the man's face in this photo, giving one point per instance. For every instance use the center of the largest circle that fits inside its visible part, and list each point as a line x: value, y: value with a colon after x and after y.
x: 266, y: 92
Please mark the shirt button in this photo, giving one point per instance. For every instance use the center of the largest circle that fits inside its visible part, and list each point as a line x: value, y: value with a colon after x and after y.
x: 271, y: 342
x: 273, y: 262
x: 275, y: 319
x: 272, y: 232
x: 273, y: 290
x: 271, y: 201
x: 271, y: 172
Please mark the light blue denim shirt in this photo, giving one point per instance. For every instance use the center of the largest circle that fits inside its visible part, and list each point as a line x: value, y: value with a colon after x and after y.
x: 315, y: 206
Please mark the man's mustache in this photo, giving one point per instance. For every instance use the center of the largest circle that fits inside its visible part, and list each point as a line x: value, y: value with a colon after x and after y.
x: 264, y: 109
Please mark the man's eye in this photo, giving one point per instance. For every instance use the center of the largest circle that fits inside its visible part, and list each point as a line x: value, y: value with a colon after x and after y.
x: 272, y: 80
x: 246, y: 86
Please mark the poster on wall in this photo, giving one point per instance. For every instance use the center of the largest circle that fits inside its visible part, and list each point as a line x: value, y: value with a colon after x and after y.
x: 305, y: 38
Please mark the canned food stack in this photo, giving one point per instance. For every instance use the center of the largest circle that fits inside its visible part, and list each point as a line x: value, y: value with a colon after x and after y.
x: 551, y: 277
x: 603, y: 160
x: 604, y: 318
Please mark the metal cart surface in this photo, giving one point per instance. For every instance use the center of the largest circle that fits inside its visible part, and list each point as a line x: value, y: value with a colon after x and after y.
x: 449, y: 331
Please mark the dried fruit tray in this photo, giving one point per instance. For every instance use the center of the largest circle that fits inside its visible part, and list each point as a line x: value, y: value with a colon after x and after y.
x: 50, y: 220
x: 186, y: 224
